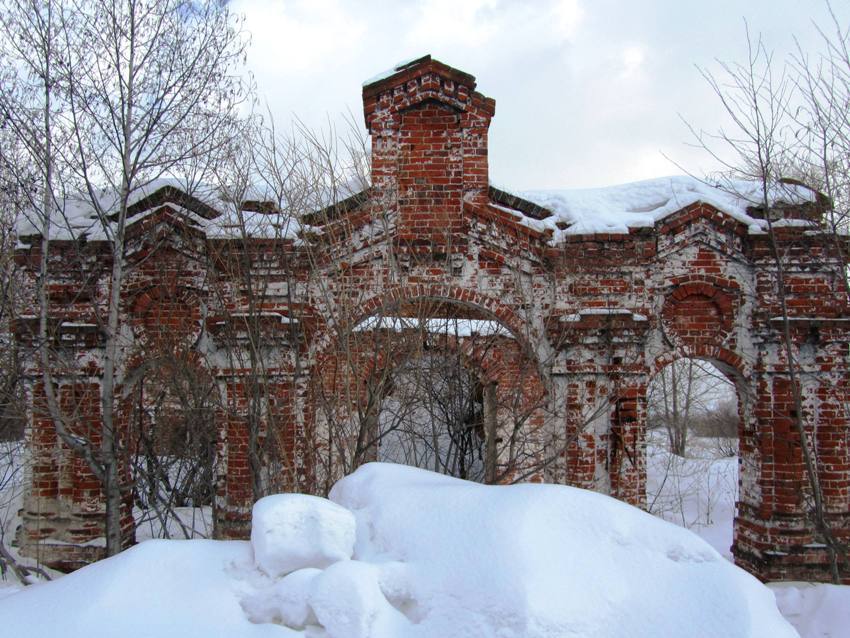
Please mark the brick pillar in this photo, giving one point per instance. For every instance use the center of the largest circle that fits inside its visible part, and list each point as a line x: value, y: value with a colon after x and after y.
x: 774, y: 537
x: 626, y: 446
x: 287, y: 444
x: 605, y: 434
x: 62, y: 518
x: 234, y: 491
x: 586, y: 430
x: 429, y: 146
x: 283, y: 446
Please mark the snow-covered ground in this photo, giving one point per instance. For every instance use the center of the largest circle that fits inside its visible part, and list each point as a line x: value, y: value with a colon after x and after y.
x: 699, y: 493
x: 398, y: 551
x: 434, y: 556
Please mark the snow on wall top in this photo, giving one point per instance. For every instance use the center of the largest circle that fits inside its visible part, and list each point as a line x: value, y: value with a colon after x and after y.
x: 395, y: 68
x: 211, y: 209
x: 81, y: 215
x: 613, y: 209
x: 450, y: 327
x: 616, y: 209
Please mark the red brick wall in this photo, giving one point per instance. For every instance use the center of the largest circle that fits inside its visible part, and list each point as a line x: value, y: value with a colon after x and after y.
x: 591, y: 318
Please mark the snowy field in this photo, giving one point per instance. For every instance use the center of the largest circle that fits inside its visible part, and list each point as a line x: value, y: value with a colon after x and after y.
x: 402, y: 552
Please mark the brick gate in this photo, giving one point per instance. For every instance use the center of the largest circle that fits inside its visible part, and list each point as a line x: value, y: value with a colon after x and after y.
x: 560, y: 322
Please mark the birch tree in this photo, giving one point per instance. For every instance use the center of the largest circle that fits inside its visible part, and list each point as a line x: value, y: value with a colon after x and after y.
x: 108, y: 96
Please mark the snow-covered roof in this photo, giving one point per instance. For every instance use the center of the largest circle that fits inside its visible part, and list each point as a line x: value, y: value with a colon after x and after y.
x: 613, y: 209
x: 616, y: 209
x: 209, y: 208
x: 86, y: 215
x: 395, y: 68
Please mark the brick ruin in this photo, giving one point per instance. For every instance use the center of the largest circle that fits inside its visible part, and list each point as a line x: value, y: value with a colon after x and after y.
x: 585, y: 321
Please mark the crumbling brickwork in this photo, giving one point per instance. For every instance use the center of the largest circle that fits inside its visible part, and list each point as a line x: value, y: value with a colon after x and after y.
x: 587, y: 319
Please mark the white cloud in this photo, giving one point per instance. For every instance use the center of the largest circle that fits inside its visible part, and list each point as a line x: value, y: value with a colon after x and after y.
x: 440, y: 22
x: 568, y: 15
x: 586, y: 91
x: 298, y: 35
x: 632, y: 59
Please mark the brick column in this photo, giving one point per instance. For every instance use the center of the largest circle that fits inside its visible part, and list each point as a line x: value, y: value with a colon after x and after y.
x: 234, y: 496
x: 62, y: 517
x: 429, y: 148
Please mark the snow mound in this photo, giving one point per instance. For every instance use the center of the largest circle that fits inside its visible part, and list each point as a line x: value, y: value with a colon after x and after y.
x: 545, y: 560
x: 817, y: 610
x: 167, y: 589
x: 294, y: 531
x: 285, y: 602
x: 432, y: 556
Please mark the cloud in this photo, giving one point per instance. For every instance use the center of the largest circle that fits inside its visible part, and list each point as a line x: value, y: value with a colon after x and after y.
x: 632, y: 59
x: 586, y: 91
x: 510, y: 24
x: 567, y: 16
x: 298, y: 35
x: 439, y: 22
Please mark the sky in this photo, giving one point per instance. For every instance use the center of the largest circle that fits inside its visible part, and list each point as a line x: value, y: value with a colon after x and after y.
x: 588, y: 92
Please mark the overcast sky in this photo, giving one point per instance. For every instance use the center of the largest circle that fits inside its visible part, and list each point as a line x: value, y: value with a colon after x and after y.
x: 588, y: 92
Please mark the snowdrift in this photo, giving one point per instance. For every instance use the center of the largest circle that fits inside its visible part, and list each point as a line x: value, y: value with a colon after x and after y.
x: 402, y: 552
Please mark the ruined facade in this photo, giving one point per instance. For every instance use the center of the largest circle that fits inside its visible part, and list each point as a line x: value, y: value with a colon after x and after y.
x: 584, y: 320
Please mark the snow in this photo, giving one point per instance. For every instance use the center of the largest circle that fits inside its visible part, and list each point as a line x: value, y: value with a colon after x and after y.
x: 829, y: 319
x: 158, y: 588
x: 816, y: 610
x: 177, y: 522
x: 78, y: 215
x: 453, y: 327
x: 294, y: 531
x: 545, y: 560
x: 699, y: 493
x: 270, y: 314
x: 395, y: 68
x: 349, y: 602
x: 286, y: 602
x: 613, y: 209
x: 616, y: 209
x: 432, y: 556
x: 586, y: 312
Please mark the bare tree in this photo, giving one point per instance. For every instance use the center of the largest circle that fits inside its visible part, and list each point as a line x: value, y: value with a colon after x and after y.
x: 107, y: 97
x: 682, y: 394
x: 17, y: 183
x: 820, y: 153
x: 772, y: 108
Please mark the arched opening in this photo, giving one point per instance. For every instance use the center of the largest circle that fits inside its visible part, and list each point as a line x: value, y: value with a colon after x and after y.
x: 172, y: 442
x: 694, y: 420
x: 433, y: 383
x: 432, y: 416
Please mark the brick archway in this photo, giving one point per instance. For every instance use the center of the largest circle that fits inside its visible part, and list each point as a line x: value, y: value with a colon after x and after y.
x: 738, y: 375
x: 596, y: 308
x: 367, y: 357
x: 392, y: 300
x: 727, y: 361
